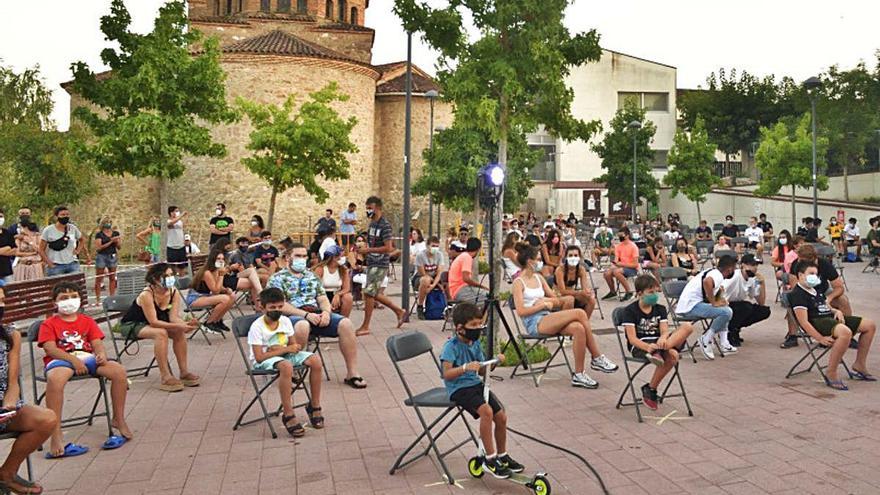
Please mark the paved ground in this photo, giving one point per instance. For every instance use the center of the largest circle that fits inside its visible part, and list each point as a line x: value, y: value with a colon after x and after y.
x: 753, y: 431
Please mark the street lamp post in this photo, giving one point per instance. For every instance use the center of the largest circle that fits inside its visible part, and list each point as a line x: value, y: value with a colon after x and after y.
x: 404, y: 297
x: 634, y: 126
x: 811, y: 85
x: 431, y: 95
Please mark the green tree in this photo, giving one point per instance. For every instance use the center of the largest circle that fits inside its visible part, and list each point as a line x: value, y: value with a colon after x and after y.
x: 691, y: 158
x: 450, y: 172
x: 150, y: 111
x: 616, y: 152
x: 295, y: 150
x: 784, y: 158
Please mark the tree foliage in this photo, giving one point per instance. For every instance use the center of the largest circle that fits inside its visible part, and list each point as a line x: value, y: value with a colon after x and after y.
x: 616, y: 152
x: 148, y: 113
x: 24, y: 99
x: 691, y: 158
x: 450, y: 173
x: 296, y: 150
x: 784, y: 157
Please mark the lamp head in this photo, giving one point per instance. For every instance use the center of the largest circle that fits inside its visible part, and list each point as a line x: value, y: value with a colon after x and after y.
x: 490, y: 183
x: 635, y: 124
x: 812, y: 83
x: 432, y: 93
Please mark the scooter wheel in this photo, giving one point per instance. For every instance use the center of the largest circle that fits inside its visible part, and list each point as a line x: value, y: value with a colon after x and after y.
x: 475, y: 467
x: 541, y: 485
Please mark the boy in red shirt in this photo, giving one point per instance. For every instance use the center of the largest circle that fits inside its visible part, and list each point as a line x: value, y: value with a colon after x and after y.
x: 73, y: 345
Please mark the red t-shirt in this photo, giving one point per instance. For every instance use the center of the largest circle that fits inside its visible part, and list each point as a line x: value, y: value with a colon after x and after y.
x: 463, y: 263
x: 70, y: 336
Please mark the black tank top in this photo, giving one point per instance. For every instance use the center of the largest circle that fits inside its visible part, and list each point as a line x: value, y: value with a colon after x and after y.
x: 135, y: 313
x: 686, y: 263
x: 570, y: 284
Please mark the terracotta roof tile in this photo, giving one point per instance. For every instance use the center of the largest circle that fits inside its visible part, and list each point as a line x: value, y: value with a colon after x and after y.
x: 383, y: 68
x: 339, y: 26
x: 279, y: 16
x: 217, y: 19
x: 281, y: 43
x: 421, y: 84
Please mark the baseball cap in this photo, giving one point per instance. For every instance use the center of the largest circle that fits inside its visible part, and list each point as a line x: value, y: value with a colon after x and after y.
x: 749, y: 259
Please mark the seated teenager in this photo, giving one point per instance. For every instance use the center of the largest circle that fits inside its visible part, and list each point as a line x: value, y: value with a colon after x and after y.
x: 684, y: 257
x: 746, y: 293
x: 207, y: 290
x: 551, y: 252
x: 723, y: 244
x: 829, y: 326
x: 255, y: 231
x: 648, y: 336
x: 624, y: 266
x: 603, y: 237
x: 74, y: 346
x: 273, y: 347
x: 530, y: 295
x: 853, y: 237
x: 155, y: 314
x: 461, y: 370
x: 703, y: 232
x: 780, y: 250
x: 264, y: 257
x: 464, y: 284
x: 657, y: 257
x: 755, y: 235
x: 873, y: 239
x: 572, y: 280
x: 430, y: 266
x: 831, y: 284
x: 703, y: 297
x: 729, y: 230
x: 333, y: 272
x: 508, y: 254
x: 243, y: 274
x: 310, y: 312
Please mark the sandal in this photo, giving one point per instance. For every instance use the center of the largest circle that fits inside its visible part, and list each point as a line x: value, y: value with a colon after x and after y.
x: 191, y: 381
x: 837, y: 385
x: 295, y: 430
x: 355, y: 382
x: 862, y: 376
x: 70, y: 450
x: 29, y: 487
x: 315, y: 416
x: 171, y: 387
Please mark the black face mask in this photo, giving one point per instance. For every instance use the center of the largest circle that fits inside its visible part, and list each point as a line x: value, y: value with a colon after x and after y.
x: 622, y: 238
x: 273, y: 315
x: 730, y: 275
x: 750, y: 274
x: 24, y: 219
x: 242, y: 248
x: 473, y: 334
x: 64, y: 220
x: 370, y: 213
x: 2, y: 310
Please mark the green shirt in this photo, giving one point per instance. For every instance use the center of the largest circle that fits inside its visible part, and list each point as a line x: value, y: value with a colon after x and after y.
x: 154, y: 243
x: 604, y: 240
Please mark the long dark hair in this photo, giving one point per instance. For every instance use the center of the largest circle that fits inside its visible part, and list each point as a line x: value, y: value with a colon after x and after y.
x: 217, y: 250
x: 155, y: 274
x: 524, y: 253
x: 780, y: 253
x: 260, y: 222
x: 577, y: 269
x: 549, y: 242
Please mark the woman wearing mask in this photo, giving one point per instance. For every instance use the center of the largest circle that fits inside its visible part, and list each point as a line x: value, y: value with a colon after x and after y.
x: 255, y: 231
x: 572, y: 280
x: 207, y: 290
x: 156, y: 315
x: 684, y: 257
x: 27, y: 242
x: 534, y: 307
x: 835, y: 232
x: 241, y: 274
x: 175, y: 244
x: 780, y: 250
x: 657, y: 258
x: 552, y: 252
x: 508, y: 255
x: 107, y: 243
x: 151, y: 237
x: 333, y: 272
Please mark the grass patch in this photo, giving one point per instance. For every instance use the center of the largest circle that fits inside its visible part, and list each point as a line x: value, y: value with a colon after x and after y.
x: 537, y: 354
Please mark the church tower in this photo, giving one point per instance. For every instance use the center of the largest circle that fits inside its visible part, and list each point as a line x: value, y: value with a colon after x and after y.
x: 337, y: 11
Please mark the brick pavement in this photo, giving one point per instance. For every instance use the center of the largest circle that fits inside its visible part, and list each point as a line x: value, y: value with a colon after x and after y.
x: 753, y: 431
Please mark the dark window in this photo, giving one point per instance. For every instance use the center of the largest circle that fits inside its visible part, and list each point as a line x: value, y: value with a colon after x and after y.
x: 283, y: 5
x: 661, y: 159
x: 228, y: 7
x: 342, y: 8
x: 545, y: 169
x: 265, y: 5
x: 354, y: 15
x: 656, y: 102
x: 328, y: 10
x: 302, y: 6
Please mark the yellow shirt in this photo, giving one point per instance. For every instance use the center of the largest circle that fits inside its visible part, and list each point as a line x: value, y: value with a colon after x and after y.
x: 836, y: 231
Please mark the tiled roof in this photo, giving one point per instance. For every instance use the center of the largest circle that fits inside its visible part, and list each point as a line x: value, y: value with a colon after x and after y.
x: 278, y: 16
x: 217, y: 19
x: 281, y: 43
x: 420, y: 84
x: 383, y: 68
x: 339, y: 26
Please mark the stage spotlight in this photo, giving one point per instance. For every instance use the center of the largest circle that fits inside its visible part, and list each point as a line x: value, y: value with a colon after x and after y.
x: 490, y: 182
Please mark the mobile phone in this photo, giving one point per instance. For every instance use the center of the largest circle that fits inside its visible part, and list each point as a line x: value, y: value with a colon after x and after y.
x: 4, y: 414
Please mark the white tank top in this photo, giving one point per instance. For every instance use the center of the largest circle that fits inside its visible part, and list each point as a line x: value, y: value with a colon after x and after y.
x: 530, y: 295
x: 510, y: 267
x: 332, y: 281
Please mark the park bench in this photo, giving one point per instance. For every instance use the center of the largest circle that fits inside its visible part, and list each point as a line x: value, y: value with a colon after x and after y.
x: 33, y: 299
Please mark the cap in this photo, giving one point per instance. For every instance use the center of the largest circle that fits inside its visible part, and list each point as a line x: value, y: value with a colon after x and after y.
x: 749, y: 259
x: 332, y: 252
x: 187, y: 237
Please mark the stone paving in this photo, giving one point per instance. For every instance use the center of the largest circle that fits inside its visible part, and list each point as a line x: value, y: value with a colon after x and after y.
x: 753, y: 431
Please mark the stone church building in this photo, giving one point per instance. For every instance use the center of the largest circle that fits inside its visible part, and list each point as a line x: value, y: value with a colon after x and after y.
x: 270, y: 50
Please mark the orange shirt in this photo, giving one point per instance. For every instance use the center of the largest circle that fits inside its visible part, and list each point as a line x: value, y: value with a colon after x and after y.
x: 461, y: 265
x: 626, y: 253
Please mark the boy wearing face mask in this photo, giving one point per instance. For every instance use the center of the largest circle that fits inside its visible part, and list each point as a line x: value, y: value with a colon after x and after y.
x: 648, y: 337
x: 221, y: 225
x: 746, y: 286
x: 73, y: 345
x: 460, y: 359
x: 430, y: 265
x: 729, y: 230
x: 625, y: 265
x: 274, y: 347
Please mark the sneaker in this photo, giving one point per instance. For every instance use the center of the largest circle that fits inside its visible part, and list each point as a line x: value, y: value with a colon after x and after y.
x: 728, y: 349
x: 603, y: 364
x: 656, y: 357
x: 583, y: 380
x: 213, y: 327
x: 420, y: 312
x: 222, y: 326
x: 627, y: 297
x: 649, y: 397
x: 512, y: 465
x: 495, y: 468
x: 789, y: 342
x: 611, y: 295
x: 707, y: 351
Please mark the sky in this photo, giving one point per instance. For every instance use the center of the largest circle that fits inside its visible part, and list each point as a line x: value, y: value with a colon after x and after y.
x: 793, y: 38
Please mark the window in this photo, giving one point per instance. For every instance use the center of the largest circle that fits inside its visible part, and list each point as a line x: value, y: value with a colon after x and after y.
x: 302, y: 6
x: 622, y: 96
x: 283, y: 5
x: 354, y: 15
x: 328, y: 9
x: 265, y: 5
x: 661, y: 159
x: 652, y: 102
x: 545, y: 169
x: 342, y: 8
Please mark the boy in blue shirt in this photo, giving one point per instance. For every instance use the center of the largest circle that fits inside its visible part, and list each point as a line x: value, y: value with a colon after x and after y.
x: 461, y: 357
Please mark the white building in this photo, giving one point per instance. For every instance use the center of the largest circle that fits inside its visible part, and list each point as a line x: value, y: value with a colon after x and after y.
x: 565, y: 177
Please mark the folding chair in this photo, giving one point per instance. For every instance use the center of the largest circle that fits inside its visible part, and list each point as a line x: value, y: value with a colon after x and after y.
x: 873, y: 265
x: 12, y: 435
x: 450, y: 304
x: 815, y: 351
x: 617, y: 317
x: 240, y: 328
x: 704, y: 252
x: 717, y: 255
x: 672, y: 290
x: 200, y: 314
x: 595, y: 290
x: 403, y: 347
x: 530, y: 342
x: 829, y: 253
x: 781, y: 282
x: 130, y: 282
x: 114, y: 307
x: 33, y: 334
x: 315, y: 342
x: 672, y: 273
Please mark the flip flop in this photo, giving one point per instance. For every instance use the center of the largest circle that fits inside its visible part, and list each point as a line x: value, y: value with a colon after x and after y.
x: 30, y: 487
x: 836, y: 385
x: 355, y: 382
x: 114, y: 442
x: 858, y: 375
x: 70, y: 450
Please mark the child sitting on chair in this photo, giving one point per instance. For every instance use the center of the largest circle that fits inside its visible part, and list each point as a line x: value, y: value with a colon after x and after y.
x: 647, y: 335
x: 461, y: 358
x: 273, y: 348
x: 73, y: 345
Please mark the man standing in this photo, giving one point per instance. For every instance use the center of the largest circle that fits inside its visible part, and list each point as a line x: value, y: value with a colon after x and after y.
x: 60, y: 245
x: 348, y: 224
x: 24, y: 218
x: 175, y: 249
x: 378, y: 250
x: 326, y: 222
x: 221, y: 226
x: 8, y: 251
x: 746, y: 286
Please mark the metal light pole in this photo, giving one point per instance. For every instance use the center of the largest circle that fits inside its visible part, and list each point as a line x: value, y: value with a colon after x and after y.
x: 811, y: 85
x: 404, y: 297
x: 431, y: 95
x: 634, y: 126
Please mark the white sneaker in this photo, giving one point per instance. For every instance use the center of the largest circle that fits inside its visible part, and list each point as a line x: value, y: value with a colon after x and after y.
x: 603, y: 364
x: 583, y: 380
x: 707, y: 349
x: 728, y: 349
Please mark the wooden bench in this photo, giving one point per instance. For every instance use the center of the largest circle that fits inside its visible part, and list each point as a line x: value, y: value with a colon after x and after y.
x: 196, y: 262
x: 33, y: 299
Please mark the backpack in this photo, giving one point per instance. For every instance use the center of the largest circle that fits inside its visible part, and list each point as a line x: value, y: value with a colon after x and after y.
x: 850, y: 257
x: 435, y: 304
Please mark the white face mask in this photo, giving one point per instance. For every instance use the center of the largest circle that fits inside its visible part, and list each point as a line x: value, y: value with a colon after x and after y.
x: 435, y: 250
x: 539, y: 265
x: 342, y: 261
x: 176, y: 214
x: 219, y: 264
x: 573, y: 260
x: 218, y: 212
x: 783, y: 241
x: 254, y: 223
x: 2, y: 221
x: 68, y: 306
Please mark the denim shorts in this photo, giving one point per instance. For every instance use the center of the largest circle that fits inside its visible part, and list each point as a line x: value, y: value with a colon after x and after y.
x: 331, y: 330
x: 630, y: 272
x: 531, y: 322
x: 62, y: 269
x: 296, y: 360
x: 106, y: 261
x: 192, y: 296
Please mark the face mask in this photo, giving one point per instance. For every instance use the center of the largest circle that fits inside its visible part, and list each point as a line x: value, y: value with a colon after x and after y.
x: 107, y: 226
x: 650, y: 299
x: 555, y: 240
x: 2, y: 221
x: 218, y: 212
x: 730, y: 222
x: 538, y: 266
x: 169, y: 282
x: 783, y: 241
x: 274, y: 315
x: 68, y: 306
x: 603, y: 228
x: 219, y: 264
x: 813, y: 280
x: 473, y: 334
x: 435, y: 250
x: 341, y: 261
x: 370, y: 213
x: 834, y: 222
x: 242, y: 248
x: 24, y: 219
x: 254, y: 223
x: 750, y: 273
x: 157, y: 224
x: 573, y: 260
x: 64, y: 220
x: 298, y: 265
x: 622, y: 238
x: 752, y: 225
x: 176, y: 214
x: 267, y: 242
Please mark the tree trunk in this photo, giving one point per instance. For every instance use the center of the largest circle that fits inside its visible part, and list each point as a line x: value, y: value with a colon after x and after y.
x: 729, y: 171
x: 699, y: 216
x: 163, y: 210
x: 846, y: 180
x: 272, y: 208
x: 793, y: 211
x: 497, y: 274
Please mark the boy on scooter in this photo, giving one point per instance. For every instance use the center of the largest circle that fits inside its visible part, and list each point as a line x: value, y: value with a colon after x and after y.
x: 461, y: 358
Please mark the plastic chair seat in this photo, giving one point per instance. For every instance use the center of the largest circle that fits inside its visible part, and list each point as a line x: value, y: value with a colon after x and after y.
x: 435, y: 397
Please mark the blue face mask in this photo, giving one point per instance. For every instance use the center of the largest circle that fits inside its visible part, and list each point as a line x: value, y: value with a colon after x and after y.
x: 169, y: 282
x: 299, y: 265
x: 813, y: 280
x: 651, y: 299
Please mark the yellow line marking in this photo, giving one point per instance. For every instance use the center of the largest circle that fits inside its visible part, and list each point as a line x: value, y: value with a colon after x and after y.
x: 444, y: 482
x: 670, y: 416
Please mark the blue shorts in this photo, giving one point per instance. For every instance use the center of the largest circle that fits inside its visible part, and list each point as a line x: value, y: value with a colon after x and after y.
x: 630, y: 272
x: 295, y: 359
x: 106, y: 261
x: 192, y: 296
x: 90, y: 362
x: 331, y: 330
x: 531, y: 322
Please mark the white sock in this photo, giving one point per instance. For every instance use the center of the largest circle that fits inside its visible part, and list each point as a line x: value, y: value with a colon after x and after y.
x: 490, y: 456
x: 723, y: 337
x: 502, y: 454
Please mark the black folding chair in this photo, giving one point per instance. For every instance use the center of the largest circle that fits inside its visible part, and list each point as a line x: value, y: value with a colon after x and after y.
x: 200, y: 314
x: 704, y: 252
x: 672, y: 290
x: 403, y: 347
x: 114, y: 308
x: 529, y: 343
x: 315, y: 342
x: 830, y: 254
x: 617, y: 317
x: 33, y: 334
x: 815, y: 351
x: 12, y: 435
x: 240, y: 328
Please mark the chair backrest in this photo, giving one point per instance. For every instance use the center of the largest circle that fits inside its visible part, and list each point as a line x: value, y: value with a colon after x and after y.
x: 725, y: 252
x: 741, y: 227
x: 717, y: 227
x: 34, y: 330
x: 672, y: 289
x: 196, y: 262
x: 130, y: 282
x: 825, y: 250
x: 706, y: 246
x: 242, y: 325
x: 672, y: 272
x: 118, y: 303
x: 617, y: 316
x: 184, y: 283
x: 407, y: 345
x: 740, y: 240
